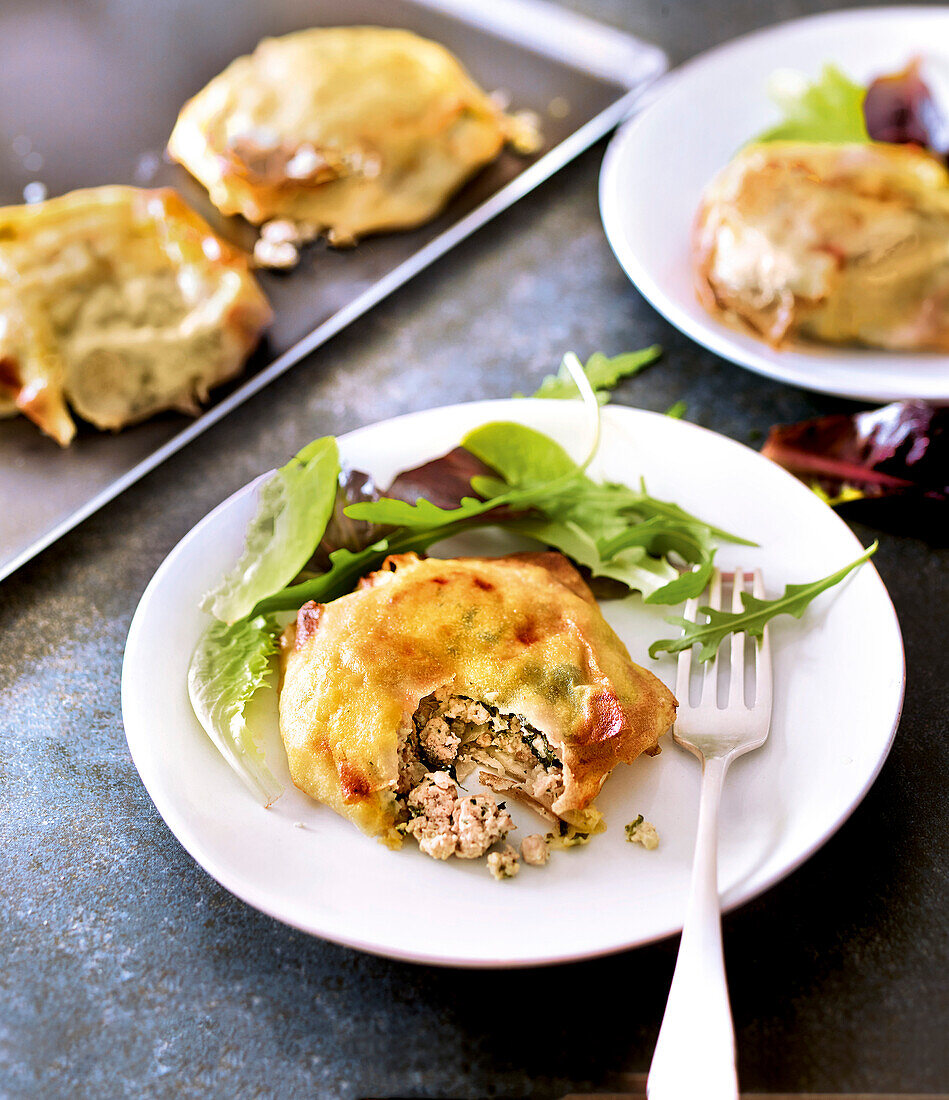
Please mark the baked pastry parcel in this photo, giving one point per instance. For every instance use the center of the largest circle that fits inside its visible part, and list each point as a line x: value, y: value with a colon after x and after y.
x: 342, y: 130
x: 844, y: 244
x: 436, y: 668
x: 119, y: 302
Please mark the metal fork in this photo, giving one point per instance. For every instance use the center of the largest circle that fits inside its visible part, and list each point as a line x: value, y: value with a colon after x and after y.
x: 695, y: 1053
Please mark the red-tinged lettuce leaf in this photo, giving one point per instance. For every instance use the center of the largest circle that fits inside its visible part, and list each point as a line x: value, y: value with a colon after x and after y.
x: 899, y: 450
x: 343, y: 533
x: 444, y: 481
x: 900, y: 108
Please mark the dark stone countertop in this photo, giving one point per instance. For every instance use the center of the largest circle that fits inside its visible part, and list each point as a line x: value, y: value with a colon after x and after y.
x: 127, y: 971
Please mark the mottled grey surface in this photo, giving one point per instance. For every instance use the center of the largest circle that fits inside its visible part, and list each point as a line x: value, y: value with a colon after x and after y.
x: 126, y: 971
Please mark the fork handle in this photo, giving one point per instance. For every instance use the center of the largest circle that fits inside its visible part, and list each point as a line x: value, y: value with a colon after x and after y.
x: 695, y: 1052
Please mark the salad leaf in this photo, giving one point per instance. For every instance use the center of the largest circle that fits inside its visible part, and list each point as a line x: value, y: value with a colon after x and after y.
x: 423, y: 513
x: 827, y: 109
x: 442, y: 481
x: 627, y: 535
x: 521, y: 455
x: 603, y: 372
x: 353, y: 487
x: 692, y: 542
x: 295, y: 504
x: 901, y: 108
x: 633, y: 567
x: 901, y: 450
x: 754, y: 616
x: 228, y: 667
x: 677, y: 410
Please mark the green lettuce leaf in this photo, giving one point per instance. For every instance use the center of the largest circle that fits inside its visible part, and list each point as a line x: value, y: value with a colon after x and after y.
x: 296, y: 503
x: 521, y: 455
x: 756, y: 614
x: 634, y: 567
x: 603, y: 373
x: 229, y: 666
x: 691, y: 541
x: 827, y: 109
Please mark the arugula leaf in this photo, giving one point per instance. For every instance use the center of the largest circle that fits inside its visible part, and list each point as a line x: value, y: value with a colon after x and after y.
x: 756, y: 614
x: 603, y: 372
x: 399, y: 513
x: 827, y: 109
x: 347, y: 566
x: 229, y: 666
x: 423, y: 514
x: 296, y: 503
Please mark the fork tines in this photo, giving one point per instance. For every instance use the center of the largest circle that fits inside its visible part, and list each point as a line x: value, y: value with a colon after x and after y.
x: 737, y: 695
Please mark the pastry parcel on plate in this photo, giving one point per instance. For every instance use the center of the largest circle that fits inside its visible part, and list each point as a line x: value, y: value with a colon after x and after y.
x: 844, y: 244
x: 435, y: 669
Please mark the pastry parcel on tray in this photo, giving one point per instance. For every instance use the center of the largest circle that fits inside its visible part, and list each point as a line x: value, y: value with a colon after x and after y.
x: 118, y: 302
x: 435, y: 669
x: 339, y: 130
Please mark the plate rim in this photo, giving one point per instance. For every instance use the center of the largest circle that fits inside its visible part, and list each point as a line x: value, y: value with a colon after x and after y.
x: 712, y: 333
x: 190, y: 839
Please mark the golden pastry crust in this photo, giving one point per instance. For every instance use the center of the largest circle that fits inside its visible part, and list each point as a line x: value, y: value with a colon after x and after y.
x: 346, y: 130
x: 522, y: 633
x: 119, y: 302
x: 843, y: 244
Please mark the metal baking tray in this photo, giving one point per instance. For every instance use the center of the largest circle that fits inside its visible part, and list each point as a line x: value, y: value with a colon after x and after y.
x: 89, y: 94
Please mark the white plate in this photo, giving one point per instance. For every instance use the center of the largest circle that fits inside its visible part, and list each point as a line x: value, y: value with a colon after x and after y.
x: 658, y: 164
x: 838, y: 677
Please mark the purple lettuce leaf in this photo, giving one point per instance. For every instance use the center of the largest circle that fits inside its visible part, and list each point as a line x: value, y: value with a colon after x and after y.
x: 901, y: 449
x: 900, y: 108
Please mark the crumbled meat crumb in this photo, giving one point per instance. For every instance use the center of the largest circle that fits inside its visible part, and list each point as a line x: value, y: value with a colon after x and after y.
x: 279, y: 242
x: 534, y: 850
x: 546, y: 786
x: 642, y: 832
x: 278, y: 254
x: 445, y: 825
x: 504, y: 864
x: 438, y: 742
x: 431, y: 804
x: 467, y: 710
x: 478, y: 822
x: 280, y: 231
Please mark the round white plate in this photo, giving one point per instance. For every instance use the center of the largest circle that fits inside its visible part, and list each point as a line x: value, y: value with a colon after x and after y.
x: 658, y: 164
x: 838, y: 689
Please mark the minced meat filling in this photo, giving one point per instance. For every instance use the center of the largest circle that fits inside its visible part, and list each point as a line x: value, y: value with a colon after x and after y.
x: 444, y: 742
x: 445, y: 824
